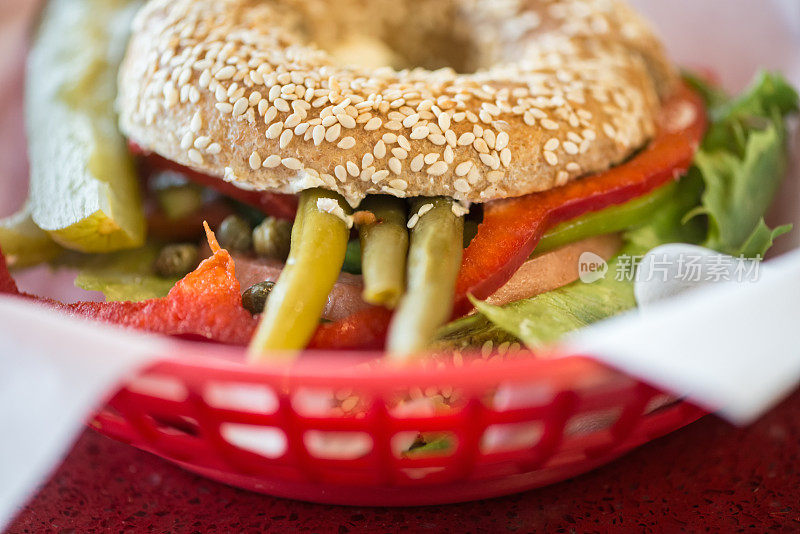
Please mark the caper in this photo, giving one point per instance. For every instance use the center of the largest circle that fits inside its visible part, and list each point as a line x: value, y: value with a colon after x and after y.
x: 273, y: 238
x: 235, y: 234
x: 177, y: 260
x: 255, y: 298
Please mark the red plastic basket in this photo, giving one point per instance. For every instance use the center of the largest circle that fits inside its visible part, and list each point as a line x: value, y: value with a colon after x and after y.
x: 332, y: 429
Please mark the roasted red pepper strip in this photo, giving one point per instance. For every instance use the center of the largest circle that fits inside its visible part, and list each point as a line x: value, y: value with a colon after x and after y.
x: 275, y: 204
x: 363, y: 330
x: 206, y: 304
x: 511, y: 228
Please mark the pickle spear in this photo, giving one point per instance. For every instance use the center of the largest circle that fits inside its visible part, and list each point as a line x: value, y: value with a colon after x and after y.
x: 84, y: 188
x: 23, y: 243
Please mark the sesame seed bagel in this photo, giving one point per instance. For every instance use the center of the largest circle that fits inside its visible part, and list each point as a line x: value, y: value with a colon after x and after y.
x: 472, y: 99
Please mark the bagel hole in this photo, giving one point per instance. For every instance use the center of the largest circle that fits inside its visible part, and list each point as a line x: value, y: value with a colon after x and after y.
x: 431, y: 51
x: 429, y: 35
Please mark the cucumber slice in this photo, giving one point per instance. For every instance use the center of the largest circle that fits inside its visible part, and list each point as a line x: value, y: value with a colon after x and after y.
x: 84, y: 187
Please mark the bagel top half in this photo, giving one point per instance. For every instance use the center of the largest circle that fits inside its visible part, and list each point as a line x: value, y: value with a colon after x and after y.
x: 472, y: 99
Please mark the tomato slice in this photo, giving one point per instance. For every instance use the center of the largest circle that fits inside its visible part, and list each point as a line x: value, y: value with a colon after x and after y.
x: 277, y: 205
x: 206, y: 304
x: 511, y: 228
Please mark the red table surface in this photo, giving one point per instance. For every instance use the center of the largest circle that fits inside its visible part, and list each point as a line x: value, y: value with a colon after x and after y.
x: 706, y: 477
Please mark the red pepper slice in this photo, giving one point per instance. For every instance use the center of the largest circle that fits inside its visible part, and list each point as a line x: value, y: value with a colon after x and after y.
x: 363, y: 330
x: 206, y: 304
x: 511, y: 228
x: 277, y: 205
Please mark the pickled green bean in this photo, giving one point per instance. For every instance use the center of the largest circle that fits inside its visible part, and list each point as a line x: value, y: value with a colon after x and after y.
x: 295, y: 305
x: 434, y: 260
x: 384, y: 246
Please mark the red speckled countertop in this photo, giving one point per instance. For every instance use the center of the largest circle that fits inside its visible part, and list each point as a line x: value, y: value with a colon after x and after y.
x: 706, y: 477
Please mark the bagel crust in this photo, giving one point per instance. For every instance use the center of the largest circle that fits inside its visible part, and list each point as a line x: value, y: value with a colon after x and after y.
x: 257, y: 93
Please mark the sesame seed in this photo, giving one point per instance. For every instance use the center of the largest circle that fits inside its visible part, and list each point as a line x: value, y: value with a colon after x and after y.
x: 438, y: 169
x: 293, y: 120
x: 505, y: 157
x: 255, y: 161
x: 240, y: 107
x: 270, y: 114
x: 347, y: 143
x: 346, y: 120
x: 318, y: 134
x: 461, y: 185
x: 196, y: 123
x: 551, y: 158
x: 380, y: 176
x: 570, y: 147
x: 340, y: 172
x: 432, y: 158
x: 395, y: 166
x: 490, y: 161
x: 225, y: 73
x: 421, y: 132
x: 444, y: 122
x: 272, y: 161
x: 195, y: 156
x: 417, y: 163
x: 449, y: 156
x: 274, y: 131
x: 552, y: 144
x: 466, y: 139
x: 411, y: 120
x: 380, y: 150
x: 463, y: 168
x: 399, y: 153
x: 333, y: 133
x: 502, y: 141
x: 352, y: 169
x: 373, y: 124
x: 549, y: 124
x: 286, y: 138
x: 214, y: 148
x: 202, y: 142
x: 398, y: 184
x: 187, y: 140
x: 293, y: 164
x: 224, y: 107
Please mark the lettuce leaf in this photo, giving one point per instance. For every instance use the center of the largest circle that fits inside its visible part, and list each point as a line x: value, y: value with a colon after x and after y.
x: 121, y: 276
x: 742, y: 162
x: 720, y: 204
